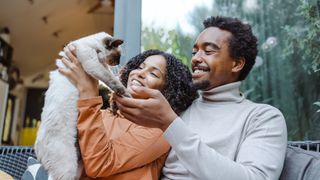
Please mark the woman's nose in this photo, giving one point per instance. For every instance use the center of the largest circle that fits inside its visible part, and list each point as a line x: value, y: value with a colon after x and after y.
x: 141, y: 74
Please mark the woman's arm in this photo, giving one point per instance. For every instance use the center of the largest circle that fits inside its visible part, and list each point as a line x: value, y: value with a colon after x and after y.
x: 104, y: 155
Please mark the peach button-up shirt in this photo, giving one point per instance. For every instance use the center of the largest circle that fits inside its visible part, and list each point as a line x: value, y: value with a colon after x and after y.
x: 115, y: 148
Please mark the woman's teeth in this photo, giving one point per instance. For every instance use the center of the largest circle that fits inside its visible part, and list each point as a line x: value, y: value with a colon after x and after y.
x: 136, y: 83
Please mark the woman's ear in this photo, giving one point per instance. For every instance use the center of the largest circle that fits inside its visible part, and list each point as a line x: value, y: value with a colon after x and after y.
x: 238, y: 65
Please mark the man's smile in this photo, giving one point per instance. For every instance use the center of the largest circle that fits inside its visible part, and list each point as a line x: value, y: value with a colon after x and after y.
x: 199, y: 71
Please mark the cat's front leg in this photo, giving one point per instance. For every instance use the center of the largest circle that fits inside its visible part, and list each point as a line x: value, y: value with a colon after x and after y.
x: 93, y: 66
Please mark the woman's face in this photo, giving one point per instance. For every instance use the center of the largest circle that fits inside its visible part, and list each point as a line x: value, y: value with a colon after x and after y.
x: 151, y: 73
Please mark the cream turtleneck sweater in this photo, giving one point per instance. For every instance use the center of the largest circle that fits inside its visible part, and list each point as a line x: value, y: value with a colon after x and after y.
x: 224, y: 136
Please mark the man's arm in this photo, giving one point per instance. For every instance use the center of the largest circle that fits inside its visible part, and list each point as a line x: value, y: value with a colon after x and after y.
x: 260, y: 156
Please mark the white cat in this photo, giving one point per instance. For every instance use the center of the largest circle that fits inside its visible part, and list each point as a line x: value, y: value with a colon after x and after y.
x: 56, y: 143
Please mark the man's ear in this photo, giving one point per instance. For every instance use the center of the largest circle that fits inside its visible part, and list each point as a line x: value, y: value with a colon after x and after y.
x: 238, y: 64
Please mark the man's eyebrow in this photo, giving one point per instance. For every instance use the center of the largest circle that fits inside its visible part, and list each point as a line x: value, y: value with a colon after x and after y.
x: 213, y: 45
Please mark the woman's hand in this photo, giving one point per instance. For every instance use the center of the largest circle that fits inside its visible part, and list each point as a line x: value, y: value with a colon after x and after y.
x: 87, y: 85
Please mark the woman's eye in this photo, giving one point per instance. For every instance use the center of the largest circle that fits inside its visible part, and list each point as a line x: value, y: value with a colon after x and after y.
x: 139, y: 67
x: 153, y: 74
x: 194, y: 53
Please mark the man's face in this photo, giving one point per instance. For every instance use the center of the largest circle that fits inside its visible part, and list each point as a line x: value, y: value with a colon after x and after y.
x: 211, y: 61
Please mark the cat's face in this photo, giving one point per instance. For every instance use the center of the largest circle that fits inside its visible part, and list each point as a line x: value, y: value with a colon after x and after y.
x: 113, y: 50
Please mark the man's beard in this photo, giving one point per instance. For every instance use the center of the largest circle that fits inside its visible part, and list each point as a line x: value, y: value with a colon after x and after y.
x: 202, y: 85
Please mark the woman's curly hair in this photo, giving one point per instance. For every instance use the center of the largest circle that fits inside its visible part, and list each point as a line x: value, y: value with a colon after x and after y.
x: 178, y: 88
x: 243, y: 44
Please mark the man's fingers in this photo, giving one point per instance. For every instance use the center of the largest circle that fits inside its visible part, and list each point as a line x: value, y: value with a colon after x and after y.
x: 146, y: 92
x: 125, y: 110
x: 126, y: 102
x: 129, y: 117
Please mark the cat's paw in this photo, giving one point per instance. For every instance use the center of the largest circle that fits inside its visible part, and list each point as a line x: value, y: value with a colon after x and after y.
x: 122, y: 92
x: 126, y: 94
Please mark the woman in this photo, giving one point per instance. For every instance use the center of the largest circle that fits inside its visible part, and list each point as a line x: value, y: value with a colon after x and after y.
x: 113, y: 147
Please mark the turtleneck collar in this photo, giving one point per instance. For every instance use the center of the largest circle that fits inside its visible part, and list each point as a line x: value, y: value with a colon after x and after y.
x: 227, y: 93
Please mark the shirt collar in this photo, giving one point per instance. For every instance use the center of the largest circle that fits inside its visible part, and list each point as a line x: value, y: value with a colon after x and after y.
x: 227, y: 93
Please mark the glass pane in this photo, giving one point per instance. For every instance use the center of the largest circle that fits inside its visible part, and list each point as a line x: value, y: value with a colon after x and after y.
x: 287, y: 70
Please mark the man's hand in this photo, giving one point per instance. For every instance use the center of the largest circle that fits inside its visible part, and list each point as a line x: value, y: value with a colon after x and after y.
x: 154, y: 111
x: 87, y: 85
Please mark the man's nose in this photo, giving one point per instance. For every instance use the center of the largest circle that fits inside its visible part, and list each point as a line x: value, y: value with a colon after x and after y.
x: 197, y: 58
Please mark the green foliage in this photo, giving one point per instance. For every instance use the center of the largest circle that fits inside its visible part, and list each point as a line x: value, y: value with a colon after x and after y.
x: 302, y: 46
x: 304, y: 36
x: 170, y: 41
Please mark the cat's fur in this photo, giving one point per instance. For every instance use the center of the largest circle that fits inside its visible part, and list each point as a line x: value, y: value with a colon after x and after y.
x: 56, y: 143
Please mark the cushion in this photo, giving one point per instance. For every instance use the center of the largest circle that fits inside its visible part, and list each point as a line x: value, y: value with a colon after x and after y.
x: 301, y: 165
x: 35, y: 171
x: 4, y: 175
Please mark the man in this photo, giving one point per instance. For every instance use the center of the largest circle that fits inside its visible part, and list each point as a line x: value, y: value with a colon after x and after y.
x: 221, y: 135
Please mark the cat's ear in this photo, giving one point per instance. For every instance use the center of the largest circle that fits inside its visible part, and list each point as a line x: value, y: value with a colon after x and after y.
x: 112, y: 42
x: 115, y: 42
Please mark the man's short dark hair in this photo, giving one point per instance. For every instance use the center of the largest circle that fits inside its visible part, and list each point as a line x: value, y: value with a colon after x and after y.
x: 243, y: 44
